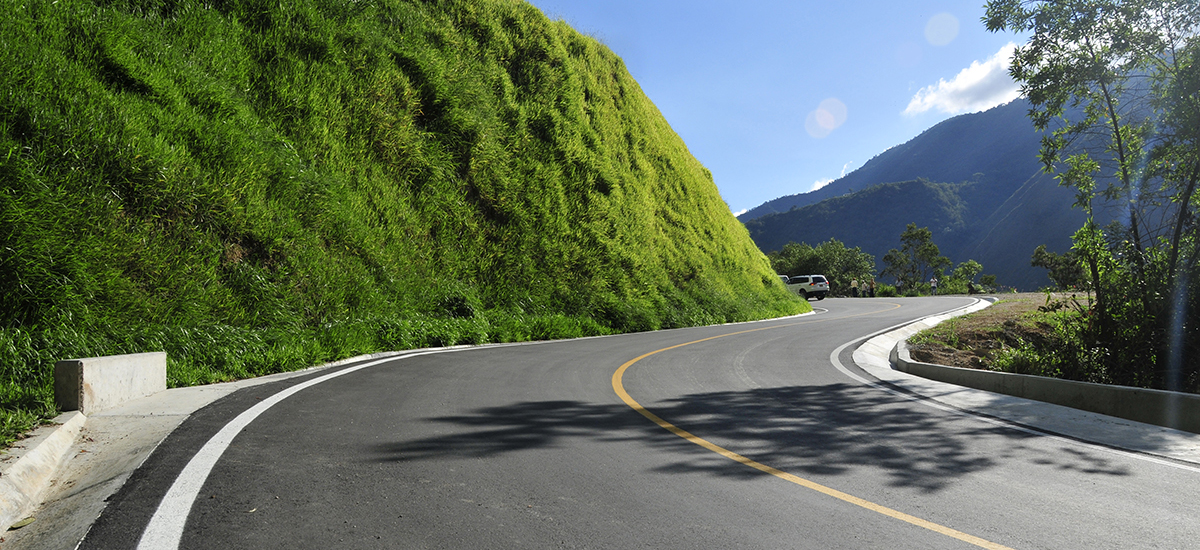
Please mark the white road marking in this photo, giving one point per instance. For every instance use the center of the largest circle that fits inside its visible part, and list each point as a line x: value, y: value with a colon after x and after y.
x: 165, y: 530
x: 931, y: 402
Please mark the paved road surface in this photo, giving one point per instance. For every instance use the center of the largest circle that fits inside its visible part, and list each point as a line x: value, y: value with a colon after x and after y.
x: 533, y: 446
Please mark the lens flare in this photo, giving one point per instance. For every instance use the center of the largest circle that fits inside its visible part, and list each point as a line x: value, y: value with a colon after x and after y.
x: 827, y: 117
x: 941, y: 29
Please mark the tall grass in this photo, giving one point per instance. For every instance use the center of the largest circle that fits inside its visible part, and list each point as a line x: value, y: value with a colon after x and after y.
x: 256, y: 186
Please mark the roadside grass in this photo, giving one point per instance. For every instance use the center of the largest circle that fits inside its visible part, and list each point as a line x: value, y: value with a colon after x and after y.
x: 969, y: 340
x: 257, y: 187
x: 1026, y: 333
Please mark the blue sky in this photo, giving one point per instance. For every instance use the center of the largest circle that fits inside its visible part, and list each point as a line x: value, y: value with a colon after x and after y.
x: 777, y: 97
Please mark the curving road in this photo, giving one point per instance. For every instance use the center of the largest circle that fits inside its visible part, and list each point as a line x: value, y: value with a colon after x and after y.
x: 737, y: 436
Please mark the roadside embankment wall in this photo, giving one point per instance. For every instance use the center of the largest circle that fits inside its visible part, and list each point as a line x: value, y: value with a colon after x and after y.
x: 1161, y: 408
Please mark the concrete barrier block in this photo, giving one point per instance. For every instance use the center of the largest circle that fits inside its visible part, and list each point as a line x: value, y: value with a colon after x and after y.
x: 98, y: 383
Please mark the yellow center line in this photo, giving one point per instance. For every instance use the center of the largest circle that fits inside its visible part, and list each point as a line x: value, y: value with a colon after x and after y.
x: 619, y: 388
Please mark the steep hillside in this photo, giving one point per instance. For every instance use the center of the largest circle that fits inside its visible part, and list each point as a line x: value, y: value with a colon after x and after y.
x: 997, y: 146
x: 256, y: 186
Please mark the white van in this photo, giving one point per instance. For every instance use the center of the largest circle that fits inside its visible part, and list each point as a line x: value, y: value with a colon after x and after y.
x: 807, y: 286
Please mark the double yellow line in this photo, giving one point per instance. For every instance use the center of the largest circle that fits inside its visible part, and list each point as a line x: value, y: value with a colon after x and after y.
x: 619, y: 388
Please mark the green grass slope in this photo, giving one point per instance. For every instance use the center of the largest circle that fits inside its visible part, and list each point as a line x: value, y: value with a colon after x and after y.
x: 257, y: 186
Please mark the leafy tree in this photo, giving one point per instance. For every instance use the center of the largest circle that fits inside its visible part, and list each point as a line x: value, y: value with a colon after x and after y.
x: 1065, y: 270
x: 831, y: 258
x: 1117, y: 82
x: 966, y: 271
x: 961, y: 279
x: 794, y: 259
x: 917, y: 260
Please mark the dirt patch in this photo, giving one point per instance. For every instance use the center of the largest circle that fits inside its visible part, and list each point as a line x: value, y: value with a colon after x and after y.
x: 969, y: 341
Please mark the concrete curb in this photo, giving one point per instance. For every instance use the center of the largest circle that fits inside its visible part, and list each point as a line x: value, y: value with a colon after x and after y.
x: 1180, y: 411
x: 873, y: 357
x: 25, y: 479
x: 33, y: 464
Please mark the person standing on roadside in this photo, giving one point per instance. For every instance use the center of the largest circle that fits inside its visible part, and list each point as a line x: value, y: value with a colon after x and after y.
x: 872, y: 285
x: 854, y: 288
x: 933, y: 285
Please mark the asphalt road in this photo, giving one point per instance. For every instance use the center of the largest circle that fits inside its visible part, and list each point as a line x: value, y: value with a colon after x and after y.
x: 737, y: 436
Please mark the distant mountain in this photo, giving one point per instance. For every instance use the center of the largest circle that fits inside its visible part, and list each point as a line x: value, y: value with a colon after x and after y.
x: 999, y: 143
x: 975, y: 180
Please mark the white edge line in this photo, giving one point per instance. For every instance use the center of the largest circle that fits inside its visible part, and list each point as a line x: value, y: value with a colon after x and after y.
x: 932, y: 402
x: 165, y: 529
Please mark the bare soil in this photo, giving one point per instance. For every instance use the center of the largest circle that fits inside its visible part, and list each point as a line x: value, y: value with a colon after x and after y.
x: 970, y: 340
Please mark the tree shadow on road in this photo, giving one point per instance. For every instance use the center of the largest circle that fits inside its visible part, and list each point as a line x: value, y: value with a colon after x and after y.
x: 825, y: 430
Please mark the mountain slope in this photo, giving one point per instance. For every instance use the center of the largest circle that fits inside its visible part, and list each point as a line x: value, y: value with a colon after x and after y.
x: 975, y: 180
x: 999, y: 143
x: 256, y: 186
x: 964, y: 218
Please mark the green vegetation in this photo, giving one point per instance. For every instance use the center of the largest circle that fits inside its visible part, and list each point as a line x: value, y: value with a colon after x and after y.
x: 1065, y: 269
x: 911, y: 266
x: 1050, y: 346
x: 982, y: 219
x: 1124, y: 74
x: 1018, y: 336
x: 260, y: 186
x: 918, y: 259
x: 840, y: 265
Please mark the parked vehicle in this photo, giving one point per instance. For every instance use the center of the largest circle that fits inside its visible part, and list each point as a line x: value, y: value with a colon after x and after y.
x: 807, y: 286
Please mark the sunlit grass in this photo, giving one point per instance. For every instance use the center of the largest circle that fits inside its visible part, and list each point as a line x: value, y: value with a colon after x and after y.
x: 263, y: 186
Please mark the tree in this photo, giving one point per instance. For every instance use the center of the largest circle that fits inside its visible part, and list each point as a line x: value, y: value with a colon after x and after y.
x: 1065, y: 270
x: 966, y: 271
x: 961, y: 279
x: 794, y: 259
x: 1117, y: 82
x: 917, y: 260
x: 831, y: 258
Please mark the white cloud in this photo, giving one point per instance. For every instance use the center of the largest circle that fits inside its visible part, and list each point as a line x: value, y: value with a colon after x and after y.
x: 740, y: 212
x: 976, y: 88
x: 822, y: 183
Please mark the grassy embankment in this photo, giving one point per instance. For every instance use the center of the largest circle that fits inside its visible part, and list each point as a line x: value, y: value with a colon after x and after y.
x: 1028, y: 333
x: 256, y: 187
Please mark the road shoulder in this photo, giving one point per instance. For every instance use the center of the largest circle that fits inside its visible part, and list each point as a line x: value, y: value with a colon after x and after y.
x: 1116, y: 433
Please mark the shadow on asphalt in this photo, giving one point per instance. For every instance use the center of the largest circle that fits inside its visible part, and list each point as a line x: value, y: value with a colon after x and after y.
x: 817, y: 430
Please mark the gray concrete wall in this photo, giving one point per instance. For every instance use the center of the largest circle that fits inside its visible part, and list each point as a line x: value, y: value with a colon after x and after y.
x: 25, y: 480
x: 1161, y: 408
x: 97, y: 383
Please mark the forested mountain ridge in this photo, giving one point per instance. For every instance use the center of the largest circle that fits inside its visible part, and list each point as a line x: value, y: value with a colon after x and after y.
x: 257, y: 186
x: 975, y: 180
x: 1000, y: 144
